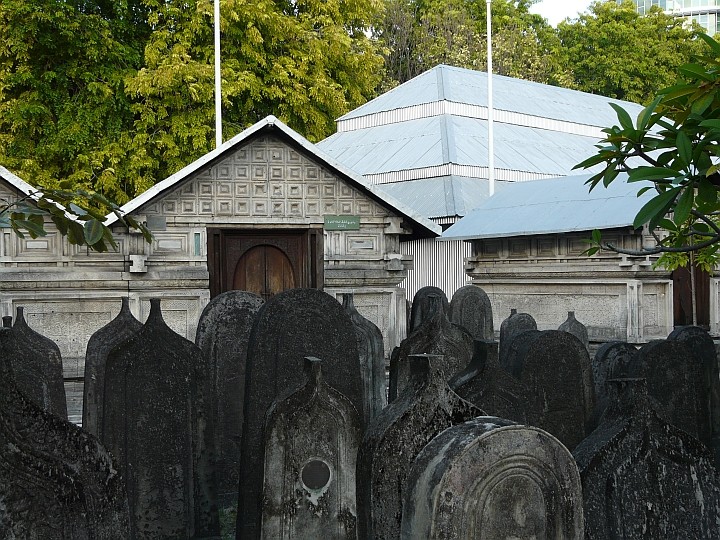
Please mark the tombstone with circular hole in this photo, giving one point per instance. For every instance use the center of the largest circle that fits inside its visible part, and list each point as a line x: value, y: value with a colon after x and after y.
x: 492, y: 479
x: 312, y: 439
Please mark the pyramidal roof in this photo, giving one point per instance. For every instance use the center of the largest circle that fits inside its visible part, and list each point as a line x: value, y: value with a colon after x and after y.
x: 435, y: 126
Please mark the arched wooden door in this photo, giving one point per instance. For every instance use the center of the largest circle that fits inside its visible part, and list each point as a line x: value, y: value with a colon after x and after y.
x: 265, y: 262
x: 264, y: 270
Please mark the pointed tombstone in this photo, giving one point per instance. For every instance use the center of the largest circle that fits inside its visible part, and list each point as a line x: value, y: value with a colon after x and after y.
x: 612, y: 360
x: 422, y: 307
x: 311, y: 444
x: 470, y: 308
x: 372, y: 359
x: 56, y: 481
x: 515, y: 324
x: 675, y: 378
x: 38, y: 368
x: 290, y: 325
x: 644, y: 478
x: 703, y: 349
x: 426, y: 407
x: 153, y: 421
x: 555, y: 367
x: 223, y: 334
x: 489, y: 387
x: 490, y: 478
x: 576, y: 328
x: 438, y: 336
x: 117, y: 331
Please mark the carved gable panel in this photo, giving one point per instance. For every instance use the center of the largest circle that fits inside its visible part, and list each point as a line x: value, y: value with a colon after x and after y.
x: 267, y: 179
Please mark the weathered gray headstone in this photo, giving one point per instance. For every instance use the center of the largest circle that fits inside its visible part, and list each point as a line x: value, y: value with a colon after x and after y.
x: 489, y: 387
x: 117, y: 331
x: 436, y: 335
x: 372, y: 359
x: 222, y: 335
x: 515, y: 324
x: 612, y: 360
x: 470, y: 308
x: 644, y: 478
x: 675, y: 378
x: 423, y: 309
x: 576, y: 328
x: 291, y: 325
x: 490, y: 478
x: 153, y: 421
x: 426, y: 407
x: 56, y: 481
x: 38, y: 368
x: 703, y: 348
x: 555, y: 367
x: 311, y: 444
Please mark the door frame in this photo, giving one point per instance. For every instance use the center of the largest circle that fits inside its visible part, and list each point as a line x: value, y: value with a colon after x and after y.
x: 311, y: 270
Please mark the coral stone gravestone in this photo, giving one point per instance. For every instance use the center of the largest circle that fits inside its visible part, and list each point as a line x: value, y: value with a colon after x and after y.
x: 422, y: 307
x: 56, y: 481
x: 612, y: 360
x: 372, y: 359
x: 576, y: 328
x: 117, y: 331
x: 515, y: 324
x: 555, y: 367
x: 490, y: 478
x: 290, y: 325
x: 644, y: 478
x: 703, y: 348
x: 37, y: 367
x: 437, y: 336
x: 153, y: 421
x: 470, y: 308
x: 675, y: 378
x: 489, y: 387
x: 426, y: 407
x: 311, y: 443
x: 223, y: 333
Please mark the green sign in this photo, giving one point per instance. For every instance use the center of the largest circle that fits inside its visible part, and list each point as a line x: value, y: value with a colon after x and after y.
x: 342, y: 223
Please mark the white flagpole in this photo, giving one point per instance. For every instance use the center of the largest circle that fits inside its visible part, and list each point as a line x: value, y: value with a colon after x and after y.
x: 218, y: 82
x: 491, y: 149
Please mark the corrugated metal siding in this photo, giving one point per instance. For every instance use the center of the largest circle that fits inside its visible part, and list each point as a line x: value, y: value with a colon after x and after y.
x: 440, y: 264
x: 428, y: 110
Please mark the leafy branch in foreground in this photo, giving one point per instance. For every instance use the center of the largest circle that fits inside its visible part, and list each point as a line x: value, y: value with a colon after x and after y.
x: 675, y: 145
x: 77, y: 214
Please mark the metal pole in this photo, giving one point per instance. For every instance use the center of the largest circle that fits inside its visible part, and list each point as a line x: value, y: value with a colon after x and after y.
x: 491, y: 149
x: 218, y: 81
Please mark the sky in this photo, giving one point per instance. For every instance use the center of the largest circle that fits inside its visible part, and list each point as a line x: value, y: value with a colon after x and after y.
x: 556, y: 10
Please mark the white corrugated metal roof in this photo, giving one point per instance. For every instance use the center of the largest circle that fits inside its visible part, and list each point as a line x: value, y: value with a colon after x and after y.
x: 551, y: 206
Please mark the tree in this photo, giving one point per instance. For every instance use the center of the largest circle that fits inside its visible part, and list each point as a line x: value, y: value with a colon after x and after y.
x: 419, y: 34
x: 115, y: 96
x: 675, y: 144
x: 618, y: 53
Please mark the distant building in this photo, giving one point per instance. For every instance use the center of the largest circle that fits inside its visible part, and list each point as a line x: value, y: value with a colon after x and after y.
x: 425, y: 143
x: 704, y: 12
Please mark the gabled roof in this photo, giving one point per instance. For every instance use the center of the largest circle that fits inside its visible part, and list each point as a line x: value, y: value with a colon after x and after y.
x: 556, y: 205
x: 271, y: 125
x: 27, y: 189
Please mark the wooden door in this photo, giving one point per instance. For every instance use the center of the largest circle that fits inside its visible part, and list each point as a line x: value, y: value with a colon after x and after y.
x: 264, y: 262
x: 683, y: 298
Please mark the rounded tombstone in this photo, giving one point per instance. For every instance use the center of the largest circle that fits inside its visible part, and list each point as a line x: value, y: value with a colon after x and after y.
x: 423, y: 307
x: 492, y: 476
x: 470, y: 308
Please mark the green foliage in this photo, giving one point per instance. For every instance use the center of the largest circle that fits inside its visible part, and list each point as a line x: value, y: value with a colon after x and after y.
x: 419, y: 34
x: 115, y: 96
x: 673, y: 143
x: 616, y: 52
x: 79, y: 215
